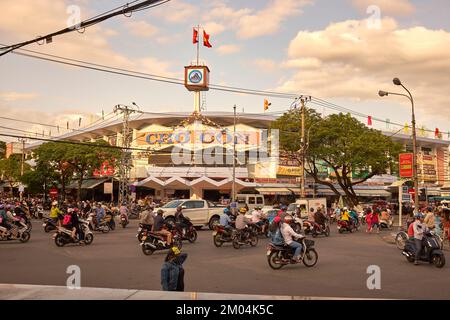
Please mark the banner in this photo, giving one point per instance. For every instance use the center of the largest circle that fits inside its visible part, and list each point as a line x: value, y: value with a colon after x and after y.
x: 406, y: 165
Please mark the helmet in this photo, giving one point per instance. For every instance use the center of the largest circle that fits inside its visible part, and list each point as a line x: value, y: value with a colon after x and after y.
x: 54, y: 203
x: 419, y: 216
x: 175, y: 251
x: 226, y: 211
x: 70, y: 210
x: 288, y: 219
x: 2, y: 206
x: 345, y: 209
x: 283, y: 207
x: 242, y: 210
x: 312, y: 209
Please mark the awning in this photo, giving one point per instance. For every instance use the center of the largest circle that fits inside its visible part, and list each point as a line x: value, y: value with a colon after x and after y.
x: 398, y: 183
x: 372, y: 193
x: 274, y: 191
x: 88, y: 183
x: 299, y: 190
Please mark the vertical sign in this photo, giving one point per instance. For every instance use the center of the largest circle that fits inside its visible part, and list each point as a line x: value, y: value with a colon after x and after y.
x: 406, y: 165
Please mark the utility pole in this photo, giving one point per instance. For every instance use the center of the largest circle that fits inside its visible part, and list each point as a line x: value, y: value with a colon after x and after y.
x: 23, y: 156
x: 233, y: 196
x: 302, y: 178
x: 125, y: 160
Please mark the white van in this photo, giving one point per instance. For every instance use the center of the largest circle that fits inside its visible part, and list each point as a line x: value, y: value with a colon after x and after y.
x: 251, y: 200
x: 306, y: 204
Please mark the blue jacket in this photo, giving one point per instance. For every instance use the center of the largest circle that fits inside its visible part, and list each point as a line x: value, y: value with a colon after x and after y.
x: 170, y: 272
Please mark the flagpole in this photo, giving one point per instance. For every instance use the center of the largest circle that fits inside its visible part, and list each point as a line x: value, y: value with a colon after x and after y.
x: 198, y: 45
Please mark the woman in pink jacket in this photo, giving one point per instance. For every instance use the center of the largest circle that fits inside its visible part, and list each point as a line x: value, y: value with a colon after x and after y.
x: 375, y: 221
x: 369, y: 220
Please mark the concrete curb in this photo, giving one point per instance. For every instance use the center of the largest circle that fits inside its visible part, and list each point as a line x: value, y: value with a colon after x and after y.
x: 35, y: 292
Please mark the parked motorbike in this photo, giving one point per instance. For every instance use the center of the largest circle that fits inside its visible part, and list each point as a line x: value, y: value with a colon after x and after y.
x: 221, y: 235
x: 64, y: 236
x: 344, y: 225
x: 188, y: 233
x: 152, y: 242
x: 19, y: 231
x: 245, y: 237
x: 279, y: 256
x: 431, y: 251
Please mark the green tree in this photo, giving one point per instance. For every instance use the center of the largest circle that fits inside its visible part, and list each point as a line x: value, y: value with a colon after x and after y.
x: 85, y: 159
x: 11, y: 168
x: 39, y: 177
x: 344, y: 144
x: 2, y: 149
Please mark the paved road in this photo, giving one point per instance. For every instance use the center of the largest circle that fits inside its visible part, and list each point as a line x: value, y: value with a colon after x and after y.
x: 115, y: 260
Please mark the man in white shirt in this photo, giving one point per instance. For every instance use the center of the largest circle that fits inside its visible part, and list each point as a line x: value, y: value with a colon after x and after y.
x: 420, y: 228
x: 289, y: 235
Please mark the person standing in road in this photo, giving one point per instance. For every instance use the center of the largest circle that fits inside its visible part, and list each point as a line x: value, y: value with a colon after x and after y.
x: 172, y: 271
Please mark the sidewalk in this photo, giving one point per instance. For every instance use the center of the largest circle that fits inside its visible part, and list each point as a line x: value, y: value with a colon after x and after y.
x: 33, y: 292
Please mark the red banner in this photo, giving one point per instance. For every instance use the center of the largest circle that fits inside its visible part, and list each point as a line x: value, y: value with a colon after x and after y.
x: 406, y: 165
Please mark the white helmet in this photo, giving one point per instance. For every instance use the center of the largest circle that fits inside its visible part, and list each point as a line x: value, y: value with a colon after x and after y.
x: 54, y: 203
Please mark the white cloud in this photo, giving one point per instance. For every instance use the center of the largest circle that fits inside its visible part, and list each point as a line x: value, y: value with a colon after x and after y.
x: 387, y: 7
x: 357, y: 65
x: 175, y: 11
x: 228, y: 49
x: 142, y: 29
x: 213, y: 28
x: 17, y: 96
x: 265, y: 65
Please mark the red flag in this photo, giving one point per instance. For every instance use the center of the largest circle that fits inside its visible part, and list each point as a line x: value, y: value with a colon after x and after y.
x: 369, y: 120
x: 206, y: 40
x: 436, y: 133
x: 195, y: 37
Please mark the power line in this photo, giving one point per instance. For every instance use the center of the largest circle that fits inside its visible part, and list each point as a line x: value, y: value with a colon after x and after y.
x: 86, y: 24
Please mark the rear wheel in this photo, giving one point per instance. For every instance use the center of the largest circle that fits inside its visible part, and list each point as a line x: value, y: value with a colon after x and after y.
x: 400, y: 240
x: 89, y: 238
x: 193, y: 236
x: 147, y: 250
x: 274, y: 260
x: 217, y: 240
x: 48, y: 228
x: 25, y: 237
x: 310, y: 258
x: 327, y: 231
x: 124, y: 224
x: 341, y: 230
x: 59, y: 240
x: 438, y: 260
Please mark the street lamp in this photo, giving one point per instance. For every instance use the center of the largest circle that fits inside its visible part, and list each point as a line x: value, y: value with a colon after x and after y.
x: 381, y: 93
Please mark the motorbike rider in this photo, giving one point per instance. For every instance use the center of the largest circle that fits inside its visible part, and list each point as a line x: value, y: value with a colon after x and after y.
x: 180, y: 220
x: 124, y: 211
x: 320, y: 218
x: 289, y: 235
x: 241, y: 221
x: 160, y: 228
x: 257, y: 216
x: 147, y: 218
x: 420, y: 228
x: 55, y: 213
x: 4, y: 218
x: 354, y: 217
x: 99, y: 214
x: 225, y: 220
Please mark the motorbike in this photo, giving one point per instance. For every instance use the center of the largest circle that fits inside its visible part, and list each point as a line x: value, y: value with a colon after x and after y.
x: 49, y: 225
x: 431, y: 251
x: 258, y: 229
x: 245, y: 237
x: 19, y: 231
x: 143, y: 228
x: 308, y: 227
x: 64, y: 236
x: 188, y: 233
x: 124, y: 220
x: 221, y: 235
x: 279, y: 256
x: 344, y: 225
x: 152, y: 242
x: 23, y: 217
x: 319, y: 230
x: 386, y: 224
x: 297, y: 224
x: 102, y: 226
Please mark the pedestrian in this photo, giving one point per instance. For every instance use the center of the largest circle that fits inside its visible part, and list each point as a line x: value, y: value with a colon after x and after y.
x: 172, y: 272
x: 375, y: 221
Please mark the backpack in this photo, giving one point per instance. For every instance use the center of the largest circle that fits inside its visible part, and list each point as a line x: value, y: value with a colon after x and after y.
x: 67, y: 219
x: 273, y: 227
x: 277, y: 238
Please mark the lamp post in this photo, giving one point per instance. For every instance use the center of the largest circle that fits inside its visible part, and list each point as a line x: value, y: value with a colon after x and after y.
x: 397, y: 82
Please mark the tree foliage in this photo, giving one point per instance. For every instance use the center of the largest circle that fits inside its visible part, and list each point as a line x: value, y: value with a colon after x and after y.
x: 11, y: 169
x: 341, y: 142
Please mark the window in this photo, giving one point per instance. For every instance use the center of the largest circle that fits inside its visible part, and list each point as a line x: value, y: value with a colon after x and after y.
x: 251, y: 200
x: 198, y: 204
x: 259, y: 200
x: 190, y: 204
x: 426, y: 151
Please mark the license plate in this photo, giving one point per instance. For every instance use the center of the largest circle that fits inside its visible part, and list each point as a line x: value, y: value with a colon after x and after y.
x: 268, y: 252
x: 214, y: 233
x: 144, y: 237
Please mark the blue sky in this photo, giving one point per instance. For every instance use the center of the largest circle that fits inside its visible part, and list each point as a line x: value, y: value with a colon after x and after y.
x: 317, y: 47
